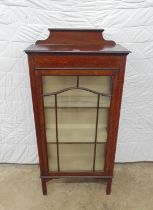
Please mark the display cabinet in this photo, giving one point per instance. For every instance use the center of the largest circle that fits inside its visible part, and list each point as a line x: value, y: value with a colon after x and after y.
x: 76, y: 82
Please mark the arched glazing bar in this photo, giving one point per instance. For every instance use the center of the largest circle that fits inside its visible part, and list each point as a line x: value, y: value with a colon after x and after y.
x: 74, y: 88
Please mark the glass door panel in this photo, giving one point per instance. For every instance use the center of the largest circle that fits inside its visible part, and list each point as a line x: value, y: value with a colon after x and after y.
x: 76, y: 116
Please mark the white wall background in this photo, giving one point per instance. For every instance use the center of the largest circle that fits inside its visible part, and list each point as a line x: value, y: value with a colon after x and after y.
x: 22, y: 22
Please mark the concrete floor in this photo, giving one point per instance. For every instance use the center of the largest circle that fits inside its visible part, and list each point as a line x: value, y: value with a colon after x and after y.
x: 132, y: 189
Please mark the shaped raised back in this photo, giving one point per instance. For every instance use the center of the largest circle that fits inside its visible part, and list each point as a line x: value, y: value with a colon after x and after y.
x: 76, y: 37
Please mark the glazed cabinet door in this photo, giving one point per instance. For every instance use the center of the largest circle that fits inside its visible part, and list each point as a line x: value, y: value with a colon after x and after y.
x: 76, y: 114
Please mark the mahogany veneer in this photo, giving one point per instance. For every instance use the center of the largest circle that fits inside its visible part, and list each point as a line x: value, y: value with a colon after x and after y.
x: 76, y: 82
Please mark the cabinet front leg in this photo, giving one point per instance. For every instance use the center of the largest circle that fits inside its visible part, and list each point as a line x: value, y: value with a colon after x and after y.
x: 109, y: 185
x: 44, y: 186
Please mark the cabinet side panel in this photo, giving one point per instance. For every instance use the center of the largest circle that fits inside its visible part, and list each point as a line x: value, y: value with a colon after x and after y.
x: 36, y: 114
x: 115, y: 116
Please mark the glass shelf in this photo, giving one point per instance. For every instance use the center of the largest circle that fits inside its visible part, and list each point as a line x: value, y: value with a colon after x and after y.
x: 76, y: 135
x: 77, y: 101
x: 76, y: 157
x: 76, y: 124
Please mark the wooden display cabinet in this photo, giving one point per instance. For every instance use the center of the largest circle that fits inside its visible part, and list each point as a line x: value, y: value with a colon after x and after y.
x: 76, y: 82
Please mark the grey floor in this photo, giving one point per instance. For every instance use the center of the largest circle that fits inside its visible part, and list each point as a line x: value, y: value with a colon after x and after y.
x: 132, y: 189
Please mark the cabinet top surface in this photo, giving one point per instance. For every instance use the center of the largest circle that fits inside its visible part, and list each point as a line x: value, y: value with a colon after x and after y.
x: 76, y: 41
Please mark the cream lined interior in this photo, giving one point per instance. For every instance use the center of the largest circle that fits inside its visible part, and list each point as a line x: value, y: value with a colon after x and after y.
x: 76, y: 125
x: 76, y: 157
x: 64, y: 100
x: 101, y: 84
x: 76, y: 117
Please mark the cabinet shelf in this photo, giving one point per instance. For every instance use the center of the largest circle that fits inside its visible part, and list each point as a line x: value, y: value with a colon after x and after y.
x: 79, y: 142
x: 76, y: 101
x: 67, y: 135
x: 76, y: 124
x: 75, y: 107
x: 76, y: 157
